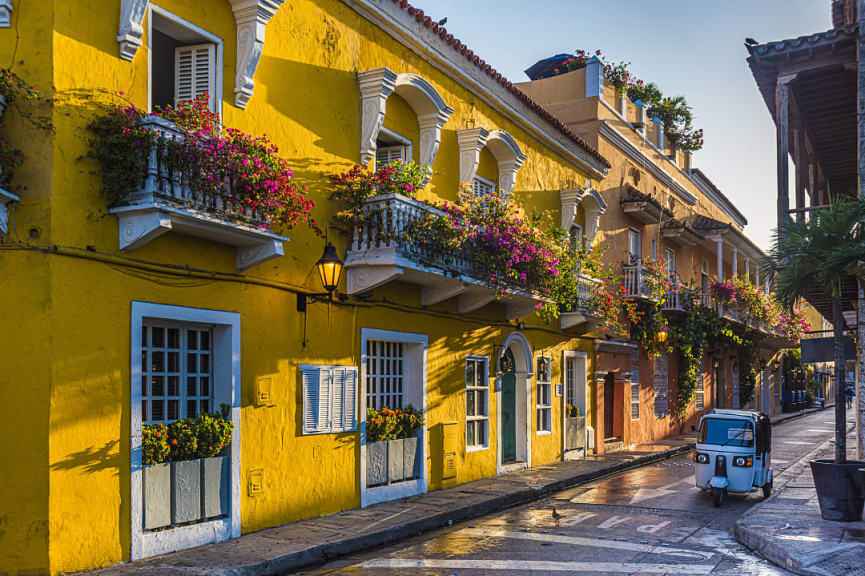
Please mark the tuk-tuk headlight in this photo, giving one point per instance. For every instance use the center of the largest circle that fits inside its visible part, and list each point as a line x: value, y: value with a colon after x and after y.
x: 701, y: 458
x: 743, y: 461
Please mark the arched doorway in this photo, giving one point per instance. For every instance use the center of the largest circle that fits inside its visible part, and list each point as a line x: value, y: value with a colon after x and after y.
x: 514, y: 369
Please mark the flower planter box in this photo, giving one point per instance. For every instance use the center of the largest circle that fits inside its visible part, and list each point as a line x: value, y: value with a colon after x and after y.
x: 395, y: 464
x: 185, y: 491
x: 392, y: 461
x: 575, y: 433
x: 411, y: 458
x: 215, y: 479
x: 376, y: 463
x: 157, y: 495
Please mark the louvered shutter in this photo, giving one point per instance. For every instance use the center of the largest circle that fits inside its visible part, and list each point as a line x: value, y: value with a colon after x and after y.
x: 311, y: 399
x: 337, y: 393
x: 661, y: 386
x: 350, y: 401
x: 325, y: 394
x: 195, y: 73
x: 384, y: 155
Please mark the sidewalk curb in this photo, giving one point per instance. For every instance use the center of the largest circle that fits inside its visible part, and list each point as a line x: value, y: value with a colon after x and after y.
x: 259, y: 565
x: 327, y: 552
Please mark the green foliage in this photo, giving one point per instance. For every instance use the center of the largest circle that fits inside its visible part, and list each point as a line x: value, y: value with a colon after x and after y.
x: 677, y: 116
x: 213, y: 434
x: 818, y: 251
x: 646, y: 92
x: 183, y: 439
x: 206, y: 436
x: 154, y: 444
x: 748, y: 367
x: 572, y: 411
x: 689, y: 338
x: 121, y: 148
x: 387, y: 424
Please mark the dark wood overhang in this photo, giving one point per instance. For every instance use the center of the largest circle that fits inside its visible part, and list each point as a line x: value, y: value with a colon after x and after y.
x: 644, y: 207
x: 681, y: 232
x: 820, y: 71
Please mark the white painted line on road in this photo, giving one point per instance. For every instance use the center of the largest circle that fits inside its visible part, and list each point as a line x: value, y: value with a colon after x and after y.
x: 538, y: 565
x: 647, y: 493
x: 591, y: 542
x: 822, y: 431
x: 797, y: 443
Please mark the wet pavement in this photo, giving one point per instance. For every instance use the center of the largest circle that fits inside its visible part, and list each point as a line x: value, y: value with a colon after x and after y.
x: 652, y: 520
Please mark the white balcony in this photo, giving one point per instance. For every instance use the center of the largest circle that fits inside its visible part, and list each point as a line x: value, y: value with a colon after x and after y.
x: 380, y: 253
x: 165, y: 201
x: 582, y: 311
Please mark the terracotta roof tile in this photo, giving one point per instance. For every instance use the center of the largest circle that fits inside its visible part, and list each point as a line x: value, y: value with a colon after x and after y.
x: 472, y: 57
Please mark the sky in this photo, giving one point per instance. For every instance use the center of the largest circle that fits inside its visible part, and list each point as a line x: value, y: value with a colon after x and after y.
x: 690, y: 47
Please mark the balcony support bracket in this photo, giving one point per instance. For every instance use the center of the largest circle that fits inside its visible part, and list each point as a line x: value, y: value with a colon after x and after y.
x: 435, y: 294
x: 471, y: 301
x: 364, y: 278
x: 139, y: 228
x: 514, y: 310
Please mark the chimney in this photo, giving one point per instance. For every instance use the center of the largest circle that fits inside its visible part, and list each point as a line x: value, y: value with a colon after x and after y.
x: 686, y: 163
x: 641, y: 117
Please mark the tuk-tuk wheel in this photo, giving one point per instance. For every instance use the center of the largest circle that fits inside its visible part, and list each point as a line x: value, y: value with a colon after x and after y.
x: 718, y: 496
x: 767, y: 489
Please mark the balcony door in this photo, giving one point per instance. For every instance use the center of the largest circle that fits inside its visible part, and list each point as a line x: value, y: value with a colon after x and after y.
x: 635, y: 244
x: 509, y: 411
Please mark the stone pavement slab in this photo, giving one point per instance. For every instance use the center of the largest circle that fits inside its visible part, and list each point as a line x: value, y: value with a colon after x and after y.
x: 291, y: 546
x: 788, y: 530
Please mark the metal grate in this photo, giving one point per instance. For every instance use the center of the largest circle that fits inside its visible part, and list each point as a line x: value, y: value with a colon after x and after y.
x: 176, y: 372
x: 384, y: 374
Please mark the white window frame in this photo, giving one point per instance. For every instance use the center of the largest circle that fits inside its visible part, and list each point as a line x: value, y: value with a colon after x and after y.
x: 634, y: 382
x: 575, y: 233
x: 211, y: 39
x: 416, y: 383
x: 483, y: 182
x: 639, y: 245
x: 485, y: 388
x: 225, y: 386
x: 671, y: 261
x: 543, y: 390
x: 349, y: 413
x: 580, y: 388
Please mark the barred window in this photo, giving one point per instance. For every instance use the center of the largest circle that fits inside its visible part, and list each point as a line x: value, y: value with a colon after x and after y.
x: 176, y: 372
x: 384, y: 374
x: 635, y: 392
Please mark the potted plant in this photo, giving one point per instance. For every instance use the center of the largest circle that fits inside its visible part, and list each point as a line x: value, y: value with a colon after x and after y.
x: 392, y: 445
x: 214, y: 437
x: 820, y: 251
x: 575, y: 428
x: 156, y: 476
x: 185, y: 471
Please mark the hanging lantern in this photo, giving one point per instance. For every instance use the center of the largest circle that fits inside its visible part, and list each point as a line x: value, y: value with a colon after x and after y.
x: 329, y: 269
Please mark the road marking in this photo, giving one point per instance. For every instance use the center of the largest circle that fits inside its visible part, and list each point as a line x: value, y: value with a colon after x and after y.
x: 652, y: 528
x: 647, y: 493
x: 797, y: 443
x: 538, y: 565
x: 821, y: 431
x: 574, y: 520
x: 612, y: 521
x: 591, y: 542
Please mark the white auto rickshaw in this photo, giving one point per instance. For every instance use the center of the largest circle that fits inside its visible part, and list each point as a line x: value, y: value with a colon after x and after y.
x: 733, y: 453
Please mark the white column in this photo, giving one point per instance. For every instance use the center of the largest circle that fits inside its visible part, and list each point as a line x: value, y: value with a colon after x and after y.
x: 720, y: 244
x: 735, y: 261
x: 757, y: 276
x: 747, y: 268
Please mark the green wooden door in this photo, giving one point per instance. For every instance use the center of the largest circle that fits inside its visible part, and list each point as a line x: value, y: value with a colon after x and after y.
x: 509, y: 412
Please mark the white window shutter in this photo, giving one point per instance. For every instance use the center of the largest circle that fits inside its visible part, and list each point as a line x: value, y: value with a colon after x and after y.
x: 195, y: 73
x: 325, y: 392
x: 634, y: 244
x: 311, y: 400
x: 350, y: 403
x: 384, y: 155
x: 337, y: 411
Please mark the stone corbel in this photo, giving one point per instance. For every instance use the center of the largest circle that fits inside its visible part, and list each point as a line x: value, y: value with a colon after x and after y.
x: 131, y: 26
x: 252, y: 17
x: 430, y: 137
x: 375, y: 88
x: 471, y: 141
x: 570, y: 200
x: 508, y: 175
x: 593, y: 221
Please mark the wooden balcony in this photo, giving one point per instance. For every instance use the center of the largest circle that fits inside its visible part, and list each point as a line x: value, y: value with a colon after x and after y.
x: 381, y: 253
x: 166, y: 201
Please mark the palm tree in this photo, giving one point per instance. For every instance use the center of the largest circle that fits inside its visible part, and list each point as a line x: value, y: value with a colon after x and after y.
x: 821, y: 252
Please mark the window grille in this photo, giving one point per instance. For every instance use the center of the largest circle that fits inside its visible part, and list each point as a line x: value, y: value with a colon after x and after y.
x: 385, y: 377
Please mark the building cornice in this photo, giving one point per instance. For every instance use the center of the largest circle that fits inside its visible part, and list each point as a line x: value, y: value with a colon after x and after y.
x: 631, y: 150
x: 413, y: 34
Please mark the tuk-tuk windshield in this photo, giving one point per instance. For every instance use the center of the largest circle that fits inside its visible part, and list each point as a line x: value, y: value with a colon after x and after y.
x: 726, y: 432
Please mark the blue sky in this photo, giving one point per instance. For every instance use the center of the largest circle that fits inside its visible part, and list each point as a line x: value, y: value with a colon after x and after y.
x: 689, y: 47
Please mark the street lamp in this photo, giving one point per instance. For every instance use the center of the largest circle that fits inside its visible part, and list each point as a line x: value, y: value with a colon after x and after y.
x: 661, y: 335
x: 329, y: 269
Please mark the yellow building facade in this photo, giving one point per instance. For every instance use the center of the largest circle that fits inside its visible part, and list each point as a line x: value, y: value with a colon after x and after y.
x: 90, y: 290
